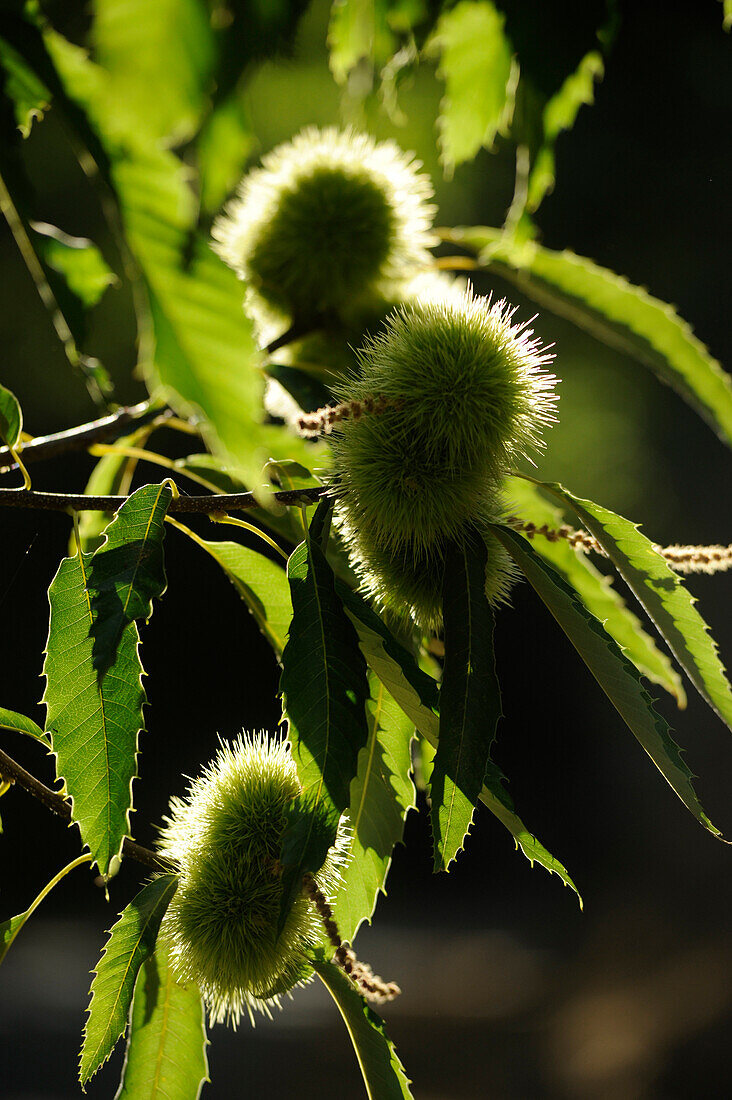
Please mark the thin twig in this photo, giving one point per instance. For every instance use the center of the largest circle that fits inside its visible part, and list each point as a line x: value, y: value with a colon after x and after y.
x: 58, y: 805
x: 213, y: 502
x: 75, y: 439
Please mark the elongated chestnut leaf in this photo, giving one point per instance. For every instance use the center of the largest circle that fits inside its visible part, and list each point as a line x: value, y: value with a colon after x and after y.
x: 470, y: 699
x: 127, y: 571
x: 664, y: 596
x: 383, y: 1073
x: 94, y: 724
x: 324, y: 690
x: 381, y: 794
x: 261, y: 583
x: 617, y: 677
x: 614, y: 311
x: 417, y: 695
x: 595, y: 590
x: 166, y: 1040
x: 131, y: 942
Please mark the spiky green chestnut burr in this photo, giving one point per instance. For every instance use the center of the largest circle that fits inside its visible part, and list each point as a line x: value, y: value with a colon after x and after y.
x: 224, y: 838
x: 330, y: 216
x: 464, y: 392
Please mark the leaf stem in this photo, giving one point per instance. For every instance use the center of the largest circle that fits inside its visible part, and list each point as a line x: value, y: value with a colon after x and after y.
x: 57, y: 804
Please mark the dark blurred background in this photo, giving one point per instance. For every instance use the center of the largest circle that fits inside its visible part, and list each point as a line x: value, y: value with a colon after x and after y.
x: 510, y: 991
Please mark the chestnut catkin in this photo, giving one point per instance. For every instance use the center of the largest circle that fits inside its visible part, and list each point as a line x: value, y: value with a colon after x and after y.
x: 466, y: 392
x: 331, y: 216
x: 224, y: 838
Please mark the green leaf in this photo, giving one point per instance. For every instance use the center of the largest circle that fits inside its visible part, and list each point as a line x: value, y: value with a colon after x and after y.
x: 131, y: 942
x: 261, y: 583
x: 324, y: 689
x: 30, y: 96
x: 615, y: 312
x: 127, y: 571
x: 417, y: 695
x: 11, y: 418
x: 10, y: 720
x: 166, y: 1044
x: 76, y: 259
x: 663, y: 595
x: 159, y: 60
x: 381, y: 794
x: 9, y: 929
x: 559, y: 114
x: 470, y: 700
x: 94, y: 725
x: 595, y: 590
x: 383, y: 1073
x: 223, y: 147
x: 613, y: 671
x: 476, y: 64
x: 350, y: 36
x: 727, y: 14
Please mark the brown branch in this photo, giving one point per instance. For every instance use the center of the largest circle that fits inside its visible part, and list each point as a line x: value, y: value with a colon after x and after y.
x: 58, y: 805
x: 75, y: 439
x: 213, y: 502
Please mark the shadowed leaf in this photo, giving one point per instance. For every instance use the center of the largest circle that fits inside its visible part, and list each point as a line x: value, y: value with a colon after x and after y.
x: 127, y: 571
x: 470, y: 700
x: 381, y: 794
x: 324, y: 689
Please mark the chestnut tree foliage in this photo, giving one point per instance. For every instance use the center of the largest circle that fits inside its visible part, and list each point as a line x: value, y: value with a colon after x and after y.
x: 357, y: 418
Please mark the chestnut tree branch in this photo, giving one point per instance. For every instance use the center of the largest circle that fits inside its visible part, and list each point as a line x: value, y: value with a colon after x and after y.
x: 75, y: 439
x: 12, y: 771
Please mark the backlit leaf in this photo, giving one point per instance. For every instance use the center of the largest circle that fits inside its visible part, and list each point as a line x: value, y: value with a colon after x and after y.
x: 618, y: 678
x: 614, y: 311
x: 76, y: 259
x: 166, y: 1043
x: 94, y: 725
x: 476, y: 64
x: 29, y: 95
x: 131, y: 942
x: 663, y: 595
x: 595, y: 590
x: 9, y: 720
x: 383, y: 1073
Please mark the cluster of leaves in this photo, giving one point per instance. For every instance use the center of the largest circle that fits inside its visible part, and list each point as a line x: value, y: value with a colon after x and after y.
x: 359, y: 701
